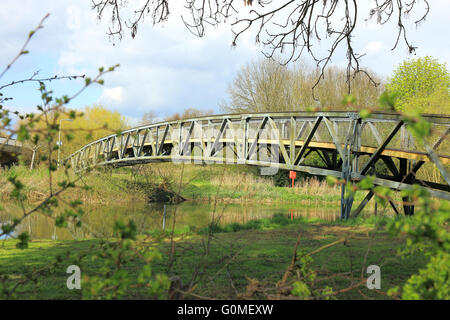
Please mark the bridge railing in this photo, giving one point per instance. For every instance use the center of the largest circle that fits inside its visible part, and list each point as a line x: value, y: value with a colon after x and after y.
x: 9, y: 142
x: 284, y: 125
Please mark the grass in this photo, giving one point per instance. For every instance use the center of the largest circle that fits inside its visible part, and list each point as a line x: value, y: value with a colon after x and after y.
x: 237, y: 255
x: 199, y: 183
x: 238, y: 183
x: 104, y: 187
x: 281, y: 220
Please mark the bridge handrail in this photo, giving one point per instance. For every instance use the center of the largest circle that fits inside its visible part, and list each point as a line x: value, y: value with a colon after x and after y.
x: 10, y: 142
x: 377, y: 115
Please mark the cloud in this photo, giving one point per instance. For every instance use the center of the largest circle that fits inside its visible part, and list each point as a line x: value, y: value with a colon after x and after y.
x: 112, y: 96
x: 373, y: 47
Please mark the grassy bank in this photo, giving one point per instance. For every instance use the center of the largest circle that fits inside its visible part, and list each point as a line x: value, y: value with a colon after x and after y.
x: 96, y: 188
x: 237, y: 257
x: 193, y: 182
x: 238, y: 183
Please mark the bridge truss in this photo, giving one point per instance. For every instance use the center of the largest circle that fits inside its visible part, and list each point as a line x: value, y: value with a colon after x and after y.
x: 339, y: 144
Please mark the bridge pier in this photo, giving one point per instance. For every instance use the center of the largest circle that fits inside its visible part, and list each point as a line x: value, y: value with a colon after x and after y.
x: 405, y: 167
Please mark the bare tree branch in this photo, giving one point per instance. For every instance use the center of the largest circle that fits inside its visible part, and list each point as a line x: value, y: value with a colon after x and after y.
x: 285, y: 29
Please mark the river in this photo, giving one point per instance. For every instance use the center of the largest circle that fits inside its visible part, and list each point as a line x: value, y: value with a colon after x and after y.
x: 97, y: 222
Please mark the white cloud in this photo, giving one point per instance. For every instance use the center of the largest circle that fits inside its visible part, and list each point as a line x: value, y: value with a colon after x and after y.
x: 112, y: 96
x: 373, y: 47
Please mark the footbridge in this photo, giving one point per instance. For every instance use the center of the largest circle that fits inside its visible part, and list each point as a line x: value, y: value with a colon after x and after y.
x: 339, y: 144
x: 9, y: 150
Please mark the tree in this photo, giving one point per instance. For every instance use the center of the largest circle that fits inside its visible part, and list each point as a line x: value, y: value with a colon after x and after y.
x: 189, y: 113
x: 94, y: 123
x: 422, y: 85
x: 265, y: 85
x: 291, y: 27
x: 45, y: 127
x: 149, y: 118
x: 258, y: 87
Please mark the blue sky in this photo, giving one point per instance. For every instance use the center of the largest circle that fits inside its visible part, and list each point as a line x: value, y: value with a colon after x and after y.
x: 165, y: 69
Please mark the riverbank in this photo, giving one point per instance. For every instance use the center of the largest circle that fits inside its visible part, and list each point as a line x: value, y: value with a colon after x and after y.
x: 235, y: 261
x: 208, y: 183
x: 96, y: 188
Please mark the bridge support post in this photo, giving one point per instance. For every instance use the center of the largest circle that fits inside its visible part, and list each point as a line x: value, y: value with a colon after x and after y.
x: 350, y: 163
x: 408, y: 207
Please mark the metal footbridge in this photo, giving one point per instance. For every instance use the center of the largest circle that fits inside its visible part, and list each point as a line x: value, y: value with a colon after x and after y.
x: 339, y: 144
x: 9, y: 150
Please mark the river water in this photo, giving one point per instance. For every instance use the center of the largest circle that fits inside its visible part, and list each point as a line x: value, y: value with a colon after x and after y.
x: 97, y: 222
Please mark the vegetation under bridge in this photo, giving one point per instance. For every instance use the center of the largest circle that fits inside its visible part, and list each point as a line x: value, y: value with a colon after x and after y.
x: 339, y: 144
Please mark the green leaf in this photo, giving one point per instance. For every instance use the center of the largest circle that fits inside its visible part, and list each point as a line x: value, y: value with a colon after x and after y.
x: 22, y: 133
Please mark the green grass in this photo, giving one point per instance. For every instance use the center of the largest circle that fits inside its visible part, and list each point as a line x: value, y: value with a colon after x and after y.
x: 276, y: 221
x: 242, y: 252
x: 104, y: 187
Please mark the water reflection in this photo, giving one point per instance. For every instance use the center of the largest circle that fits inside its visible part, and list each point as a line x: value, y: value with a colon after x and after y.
x: 98, y: 222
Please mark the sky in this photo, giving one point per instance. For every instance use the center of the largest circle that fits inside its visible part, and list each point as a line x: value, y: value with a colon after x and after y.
x: 166, y: 69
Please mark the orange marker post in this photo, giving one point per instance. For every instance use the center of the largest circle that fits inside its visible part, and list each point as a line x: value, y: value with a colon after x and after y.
x: 292, y: 175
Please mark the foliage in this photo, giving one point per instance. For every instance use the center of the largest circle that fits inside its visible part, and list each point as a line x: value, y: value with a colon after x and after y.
x: 163, y: 192
x: 421, y: 85
x: 78, y: 128
x: 149, y: 118
x: 428, y: 232
x: 97, y: 122
x: 305, y: 287
x: 281, y: 178
x: 114, y: 280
